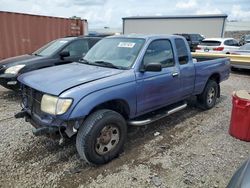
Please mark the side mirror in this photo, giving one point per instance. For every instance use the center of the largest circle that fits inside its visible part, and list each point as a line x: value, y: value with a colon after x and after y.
x: 64, y: 54
x: 153, y: 67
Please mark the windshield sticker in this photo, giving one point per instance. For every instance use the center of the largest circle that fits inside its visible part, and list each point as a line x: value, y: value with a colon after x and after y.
x: 126, y: 44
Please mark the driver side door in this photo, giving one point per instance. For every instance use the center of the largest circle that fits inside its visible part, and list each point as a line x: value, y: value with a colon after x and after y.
x: 158, y: 89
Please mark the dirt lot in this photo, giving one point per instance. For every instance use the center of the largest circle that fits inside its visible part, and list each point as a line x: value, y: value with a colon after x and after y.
x: 192, y: 150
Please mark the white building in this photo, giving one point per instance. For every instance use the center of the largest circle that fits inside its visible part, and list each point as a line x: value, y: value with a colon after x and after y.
x: 207, y: 25
x: 238, y: 26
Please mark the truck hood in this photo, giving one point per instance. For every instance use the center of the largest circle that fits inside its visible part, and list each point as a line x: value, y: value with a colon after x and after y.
x: 55, y: 80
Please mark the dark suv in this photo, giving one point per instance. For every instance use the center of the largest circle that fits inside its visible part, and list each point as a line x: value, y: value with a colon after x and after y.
x: 57, y: 52
x: 192, y: 39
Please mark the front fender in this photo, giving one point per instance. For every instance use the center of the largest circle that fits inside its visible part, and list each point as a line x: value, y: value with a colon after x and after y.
x: 125, y: 92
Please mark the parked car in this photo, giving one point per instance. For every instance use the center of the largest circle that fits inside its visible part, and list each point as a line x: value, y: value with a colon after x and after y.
x: 243, y: 50
x: 241, y: 178
x: 218, y: 45
x: 57, y: 52
x: 245, y: 39
x: 193, y: 40
x: 123, y: 80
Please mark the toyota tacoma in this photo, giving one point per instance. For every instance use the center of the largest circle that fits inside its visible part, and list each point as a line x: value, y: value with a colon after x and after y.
x: 122, y: 81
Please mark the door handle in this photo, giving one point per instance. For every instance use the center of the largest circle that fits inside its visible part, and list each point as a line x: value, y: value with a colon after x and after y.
x: 175, y: 74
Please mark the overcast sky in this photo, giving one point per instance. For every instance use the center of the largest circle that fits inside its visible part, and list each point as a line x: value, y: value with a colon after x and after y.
x: 100, y: 13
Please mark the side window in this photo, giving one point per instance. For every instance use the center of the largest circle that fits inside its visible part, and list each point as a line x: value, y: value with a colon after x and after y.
x: 77, y: 48
x: 187, y: 37
x: 235, y: 43
x: 194, y: 37
x: 228, y: 42
x: 181, y: 51
x: 92, y: 42
x: 159, y: 51
x: 200, y: 38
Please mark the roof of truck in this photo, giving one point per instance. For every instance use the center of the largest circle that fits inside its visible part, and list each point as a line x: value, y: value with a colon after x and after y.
x: 145, y: 36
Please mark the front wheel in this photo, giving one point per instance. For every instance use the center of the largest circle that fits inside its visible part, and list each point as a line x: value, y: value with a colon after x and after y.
x: 101, y: 137
x: 208, y: 97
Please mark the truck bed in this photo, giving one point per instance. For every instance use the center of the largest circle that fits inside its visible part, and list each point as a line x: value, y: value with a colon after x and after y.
x: 204, y: 67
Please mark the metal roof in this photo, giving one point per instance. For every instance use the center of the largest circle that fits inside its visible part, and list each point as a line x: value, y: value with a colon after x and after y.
x: 177, y: 16
x: 28, y: 14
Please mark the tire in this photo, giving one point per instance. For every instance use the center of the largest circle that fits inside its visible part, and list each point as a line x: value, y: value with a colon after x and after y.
x: 208, y: 97
x: 101, y: 137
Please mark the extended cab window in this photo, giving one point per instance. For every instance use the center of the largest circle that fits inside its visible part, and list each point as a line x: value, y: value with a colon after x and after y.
x: 159, y: 51
x: 181, y: 51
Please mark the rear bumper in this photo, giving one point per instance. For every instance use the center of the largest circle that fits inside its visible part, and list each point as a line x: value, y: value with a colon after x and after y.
x: 9, y: 81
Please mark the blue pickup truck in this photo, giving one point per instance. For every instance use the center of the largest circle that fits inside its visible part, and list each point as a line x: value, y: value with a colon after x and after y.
x: 122, y: 81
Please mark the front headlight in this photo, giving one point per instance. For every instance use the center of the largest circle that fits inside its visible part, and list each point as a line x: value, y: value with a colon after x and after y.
x: 54, y: 105
x: 63, y: 105
x: 14, y: 70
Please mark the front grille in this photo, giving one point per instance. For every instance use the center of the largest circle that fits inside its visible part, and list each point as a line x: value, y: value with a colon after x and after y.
x: 32, y: 100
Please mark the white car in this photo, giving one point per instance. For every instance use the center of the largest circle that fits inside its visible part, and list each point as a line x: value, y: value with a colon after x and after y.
x: 218, y: 45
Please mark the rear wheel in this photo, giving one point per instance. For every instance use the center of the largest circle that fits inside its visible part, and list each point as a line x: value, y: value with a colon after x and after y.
x: 101, y: 137
x: 208, y: 97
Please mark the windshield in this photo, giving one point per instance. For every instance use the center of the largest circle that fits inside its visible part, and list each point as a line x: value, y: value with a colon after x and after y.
x: 51, y: 47
x: 120, y: 52
x: 245, y: 47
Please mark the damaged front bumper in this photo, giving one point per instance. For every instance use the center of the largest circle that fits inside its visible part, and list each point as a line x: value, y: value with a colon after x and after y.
x: 49, y: 125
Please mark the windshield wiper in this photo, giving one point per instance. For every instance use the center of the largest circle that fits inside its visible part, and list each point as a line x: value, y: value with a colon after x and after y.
x: 82, y: 60
x: 106, y: 64
x: 100, y: 63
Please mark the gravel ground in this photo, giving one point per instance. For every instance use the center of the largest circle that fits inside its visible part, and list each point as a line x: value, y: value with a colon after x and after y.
x: 192, y: 149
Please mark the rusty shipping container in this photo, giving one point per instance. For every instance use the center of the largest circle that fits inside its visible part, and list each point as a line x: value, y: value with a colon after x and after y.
x: 25, y: 33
